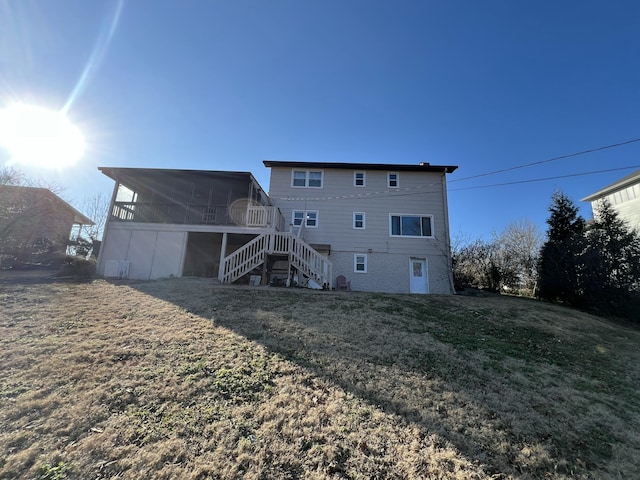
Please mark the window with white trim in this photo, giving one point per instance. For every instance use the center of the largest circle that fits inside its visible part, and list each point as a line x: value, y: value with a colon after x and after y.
x: 407, y: 225
x: 393, y: 179
x: 359, y: 179
x: 310, y: 218
x: 306, y: 178
x: 360, y: 263
x: 358, y: 220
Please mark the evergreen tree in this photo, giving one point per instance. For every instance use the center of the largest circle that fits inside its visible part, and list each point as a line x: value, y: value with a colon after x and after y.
x: 611, y: 261
x: 559, y: 265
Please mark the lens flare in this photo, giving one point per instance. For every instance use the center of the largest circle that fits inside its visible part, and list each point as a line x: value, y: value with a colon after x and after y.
x: 36, y: 136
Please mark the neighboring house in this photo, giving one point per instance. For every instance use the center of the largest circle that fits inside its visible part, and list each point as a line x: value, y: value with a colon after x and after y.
x: 624, y: 197
x: 382, y: 226
x: 35, y: 225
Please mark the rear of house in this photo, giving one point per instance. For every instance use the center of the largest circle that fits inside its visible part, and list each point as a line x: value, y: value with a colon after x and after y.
x: 383, y: 226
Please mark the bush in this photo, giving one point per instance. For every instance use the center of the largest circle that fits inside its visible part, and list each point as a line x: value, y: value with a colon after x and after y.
x: 78, y: 268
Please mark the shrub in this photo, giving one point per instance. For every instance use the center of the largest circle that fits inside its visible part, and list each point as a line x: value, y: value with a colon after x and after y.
x: 78, y: 268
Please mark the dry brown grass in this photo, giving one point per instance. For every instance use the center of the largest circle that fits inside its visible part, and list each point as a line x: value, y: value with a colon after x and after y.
x: 182, y: 379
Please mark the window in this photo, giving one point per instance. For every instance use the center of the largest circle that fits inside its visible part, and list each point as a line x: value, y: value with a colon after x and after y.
x: 359, y: 179
x: 411, y: 225
x: 360, y: 263
x: 306, y: 178
x: 358, y: 220
x: 393, y: 179
x: 310, y: 217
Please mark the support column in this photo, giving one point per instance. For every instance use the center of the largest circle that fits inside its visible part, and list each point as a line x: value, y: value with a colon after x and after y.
x: 223, y: 253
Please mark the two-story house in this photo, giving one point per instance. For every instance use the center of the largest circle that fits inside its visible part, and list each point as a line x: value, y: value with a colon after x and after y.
x: 383, y: 227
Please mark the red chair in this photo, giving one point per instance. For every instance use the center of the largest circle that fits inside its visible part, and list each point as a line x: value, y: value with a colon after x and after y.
x: 342, y: 283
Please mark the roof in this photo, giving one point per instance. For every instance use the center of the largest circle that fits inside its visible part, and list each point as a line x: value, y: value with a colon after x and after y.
x: 120, y: 173
x: 630, y: 179
x: 420, y: 167
x: 19, y: 191
x: 114, y: 172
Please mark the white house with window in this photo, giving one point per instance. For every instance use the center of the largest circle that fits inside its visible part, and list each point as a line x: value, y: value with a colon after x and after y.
x: 624, y: 197
x: 382, y: 226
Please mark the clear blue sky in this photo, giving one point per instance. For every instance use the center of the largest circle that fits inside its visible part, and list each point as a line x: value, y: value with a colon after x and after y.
x: 222, y: 85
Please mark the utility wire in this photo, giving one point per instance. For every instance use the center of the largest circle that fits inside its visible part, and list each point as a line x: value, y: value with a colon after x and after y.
x: 544, y: 179
x: 614, y: 145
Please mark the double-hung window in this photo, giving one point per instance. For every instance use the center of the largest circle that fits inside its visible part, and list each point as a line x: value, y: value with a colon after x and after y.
x: 359, y: 179
x: 358, y: 220
x: 306, y: 178
x: 393, y: 179
x: 411, y: 225
x: 310, y: 218
x: 360, y: 263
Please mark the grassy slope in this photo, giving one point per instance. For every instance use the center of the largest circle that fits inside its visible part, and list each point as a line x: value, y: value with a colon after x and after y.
x: 179, y: 379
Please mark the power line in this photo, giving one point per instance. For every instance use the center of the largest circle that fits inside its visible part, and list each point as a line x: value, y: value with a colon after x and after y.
x: 544, y: 179
x: 592, y: 150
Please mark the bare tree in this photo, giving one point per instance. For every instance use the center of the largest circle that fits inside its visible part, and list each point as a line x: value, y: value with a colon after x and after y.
x: 15, y: 177
x: 518, y: 247
x: 475, y: 264
x: 95, y: 207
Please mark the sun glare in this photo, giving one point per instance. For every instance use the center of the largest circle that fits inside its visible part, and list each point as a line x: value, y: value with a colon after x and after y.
x: 39, y: 137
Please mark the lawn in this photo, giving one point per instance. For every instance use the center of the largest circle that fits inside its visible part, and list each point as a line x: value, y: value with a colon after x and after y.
x: 184, y: 379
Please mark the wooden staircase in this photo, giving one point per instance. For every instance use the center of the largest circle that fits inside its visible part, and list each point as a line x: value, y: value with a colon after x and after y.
x: 307, y: 261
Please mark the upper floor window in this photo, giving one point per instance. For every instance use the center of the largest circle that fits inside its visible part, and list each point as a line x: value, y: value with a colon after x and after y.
x: 393, y: 179
x: 411, y: 225
x: 306, y: 178
x: 310, y: 218
x: 358, y: 220
x: 359, y: 179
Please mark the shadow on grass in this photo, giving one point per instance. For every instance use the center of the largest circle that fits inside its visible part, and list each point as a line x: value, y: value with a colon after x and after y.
x: 424, y: 360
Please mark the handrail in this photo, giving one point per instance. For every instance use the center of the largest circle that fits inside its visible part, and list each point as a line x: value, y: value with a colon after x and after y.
x: 245, y: 259
x: 303, y: 257
x: 260, y: 216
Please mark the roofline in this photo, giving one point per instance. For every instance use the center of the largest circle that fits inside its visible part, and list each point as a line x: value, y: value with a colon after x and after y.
x: 104, y: 170
x: 421, y: 167
x: 78, y: 215
x: 614, y: 187
x: 109, y: 172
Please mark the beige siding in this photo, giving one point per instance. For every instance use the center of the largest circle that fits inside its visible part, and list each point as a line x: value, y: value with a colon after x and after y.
x: 419, y: 193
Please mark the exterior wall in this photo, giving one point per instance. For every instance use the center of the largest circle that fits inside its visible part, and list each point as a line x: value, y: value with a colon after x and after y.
x: 626, y: 202
x: 389, y: 272
x: 419, y: 193
x: 151, y: 253
x: 156, y: 250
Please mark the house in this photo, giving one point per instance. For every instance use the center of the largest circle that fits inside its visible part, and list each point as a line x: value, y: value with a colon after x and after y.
x: 624, y: 197
x: 35, y: 225
x: 384, y: 227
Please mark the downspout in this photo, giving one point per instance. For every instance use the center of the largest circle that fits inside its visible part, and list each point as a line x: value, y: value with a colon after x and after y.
x: 106, y: 228
x: 448, y: 233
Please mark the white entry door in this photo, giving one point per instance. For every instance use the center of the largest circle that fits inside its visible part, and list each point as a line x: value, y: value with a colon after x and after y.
x: 418, y: 275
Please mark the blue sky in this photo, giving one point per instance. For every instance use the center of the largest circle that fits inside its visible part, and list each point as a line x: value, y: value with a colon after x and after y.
x: 223, y: 85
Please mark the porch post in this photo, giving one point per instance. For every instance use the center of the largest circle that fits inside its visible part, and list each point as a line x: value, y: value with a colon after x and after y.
x: 223, y: 253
